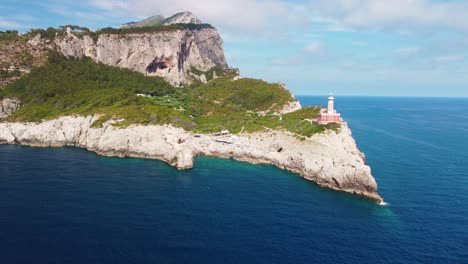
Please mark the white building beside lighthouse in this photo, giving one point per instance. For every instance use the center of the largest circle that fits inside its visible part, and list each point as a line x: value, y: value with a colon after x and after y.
x: 329, y: 115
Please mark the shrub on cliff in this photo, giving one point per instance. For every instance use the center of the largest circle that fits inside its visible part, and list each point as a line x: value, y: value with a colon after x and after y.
x: 8, y: 35
x: 67, y: 86
x: 80, y: 86
x: 243, y: 94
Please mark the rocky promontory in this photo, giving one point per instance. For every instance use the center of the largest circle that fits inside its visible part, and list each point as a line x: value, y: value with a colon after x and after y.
x: 67, y: 87
x: 330, y: 159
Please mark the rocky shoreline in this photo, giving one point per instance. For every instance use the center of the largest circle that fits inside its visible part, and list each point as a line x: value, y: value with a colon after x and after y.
x: 331, y: 159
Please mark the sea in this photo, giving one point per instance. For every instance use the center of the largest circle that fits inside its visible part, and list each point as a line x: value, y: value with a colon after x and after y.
x: 68, y: 205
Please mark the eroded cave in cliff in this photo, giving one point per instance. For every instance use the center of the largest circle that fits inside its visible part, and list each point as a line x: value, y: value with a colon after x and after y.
x: 158, y: 63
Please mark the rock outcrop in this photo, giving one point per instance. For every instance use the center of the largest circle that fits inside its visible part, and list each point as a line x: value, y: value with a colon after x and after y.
x: 8, y: 106
x: 158, y: 20
x: 332, y: 159
x: 291, y: 107
x: 170, y: 54
x: 182, y: 18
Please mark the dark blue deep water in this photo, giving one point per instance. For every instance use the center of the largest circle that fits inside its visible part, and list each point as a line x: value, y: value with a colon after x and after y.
x: 68, y: 205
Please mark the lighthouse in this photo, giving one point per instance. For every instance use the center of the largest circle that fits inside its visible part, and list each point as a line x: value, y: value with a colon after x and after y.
x: 329, y: 115
x: 331, y: 104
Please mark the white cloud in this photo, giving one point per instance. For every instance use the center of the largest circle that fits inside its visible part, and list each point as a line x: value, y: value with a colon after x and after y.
x: 315, y: 48
x: 110, y: 4
x: 450, y: 58
x: 25, y: 18
x: 240, y: 15
x: 407, y: 52
x: 313, y: 53
x: 398, y: 15
x: 247, y: 16
x: 9, y: 24
x: 84, y: 15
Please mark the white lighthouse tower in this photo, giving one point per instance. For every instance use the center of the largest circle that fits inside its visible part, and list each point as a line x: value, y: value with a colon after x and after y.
x: 331, y: 104
x: 329, y: 115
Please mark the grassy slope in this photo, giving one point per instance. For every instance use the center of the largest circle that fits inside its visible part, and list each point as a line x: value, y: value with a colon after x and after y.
x: 80, y: 86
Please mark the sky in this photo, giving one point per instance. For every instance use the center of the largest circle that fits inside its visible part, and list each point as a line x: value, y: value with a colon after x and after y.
x: 315, y: 47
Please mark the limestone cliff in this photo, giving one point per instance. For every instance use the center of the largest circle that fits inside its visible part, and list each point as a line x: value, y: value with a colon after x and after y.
x: 178, y: 48
x: 171, y: 54
x: 332, y: 159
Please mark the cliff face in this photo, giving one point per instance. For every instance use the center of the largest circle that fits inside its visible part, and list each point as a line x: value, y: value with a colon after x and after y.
x: 332, y: 159
x: 291, y: 106
x: 170, y: 54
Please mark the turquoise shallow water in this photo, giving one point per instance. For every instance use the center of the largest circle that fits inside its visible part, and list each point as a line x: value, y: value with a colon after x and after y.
x: 67, y: 205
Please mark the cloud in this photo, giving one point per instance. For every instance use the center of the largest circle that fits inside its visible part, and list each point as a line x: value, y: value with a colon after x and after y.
x: 254, y: 17
x: 398, y: 15
x: 450, y: 58
x: 240, y: 15
x: 312, y: 53
x: 25, y: 18
x: 407, y: 52
x: 315, y: 48
x: 83, y: 14
x: 6, y: 23
x: 110, y: 4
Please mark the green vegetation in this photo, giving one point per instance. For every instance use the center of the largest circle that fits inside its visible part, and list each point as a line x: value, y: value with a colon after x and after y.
x: 8, y: 35
x: 48, y: 34
x: 227, y: 96
x: 51, y: 33
x: 148, y: 29
x: 216, y: 71
x: 80, y: 86
x: 74, y: 86
x: 5, y: 73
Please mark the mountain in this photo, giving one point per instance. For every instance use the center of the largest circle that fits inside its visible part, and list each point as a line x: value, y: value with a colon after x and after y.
x: 158, y: 20
x: 182, y: 18
x: 178, y: 48
x: 150, y: 21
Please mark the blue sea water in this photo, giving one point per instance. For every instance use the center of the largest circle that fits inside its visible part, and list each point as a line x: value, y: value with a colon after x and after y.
x: 67, y: 205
